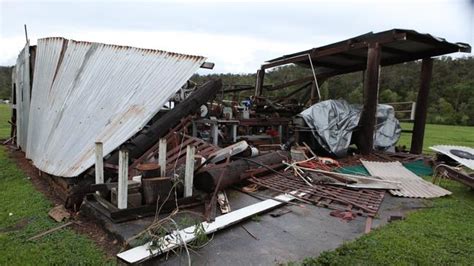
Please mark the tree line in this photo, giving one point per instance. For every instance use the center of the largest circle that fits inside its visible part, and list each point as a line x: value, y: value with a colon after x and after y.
x: 451, y: 98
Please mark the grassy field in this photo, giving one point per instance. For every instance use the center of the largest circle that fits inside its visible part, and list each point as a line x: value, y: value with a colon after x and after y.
x: 441, y: 235
x: 440, y: 134
x: 24, y: 213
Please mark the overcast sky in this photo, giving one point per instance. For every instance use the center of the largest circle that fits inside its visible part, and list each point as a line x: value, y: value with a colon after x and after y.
x: 237, y: 36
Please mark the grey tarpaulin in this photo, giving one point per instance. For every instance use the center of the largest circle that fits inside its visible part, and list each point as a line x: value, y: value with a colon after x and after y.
x: 333, y: 121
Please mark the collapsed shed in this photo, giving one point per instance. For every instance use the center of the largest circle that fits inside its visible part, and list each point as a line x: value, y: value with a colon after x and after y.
x: 85, y: 92
x: 368, y: 53
x: 81, y: 104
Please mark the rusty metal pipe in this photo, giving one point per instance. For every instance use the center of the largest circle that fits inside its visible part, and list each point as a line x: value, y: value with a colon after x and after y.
x: 207, y: 178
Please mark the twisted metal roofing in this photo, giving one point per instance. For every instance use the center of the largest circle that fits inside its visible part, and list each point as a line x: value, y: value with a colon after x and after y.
x: 22, y: 91
x: 447, y: 150
x: 411, y: 185
x: 87, y: 92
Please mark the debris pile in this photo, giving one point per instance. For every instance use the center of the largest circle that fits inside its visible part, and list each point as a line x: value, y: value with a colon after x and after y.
x: 126, y: 133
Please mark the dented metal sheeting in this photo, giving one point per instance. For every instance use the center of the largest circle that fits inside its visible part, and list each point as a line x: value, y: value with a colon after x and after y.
x: 448, y: 151
x: 22, y: 91
x: 46, y: 61
x: 411, y: 185
x: 98, y: 93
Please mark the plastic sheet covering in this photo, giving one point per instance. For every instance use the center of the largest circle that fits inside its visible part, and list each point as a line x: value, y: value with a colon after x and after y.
x: 333, y: 121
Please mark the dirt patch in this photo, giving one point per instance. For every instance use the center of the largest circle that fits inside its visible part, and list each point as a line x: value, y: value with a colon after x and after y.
x: 82, y: 226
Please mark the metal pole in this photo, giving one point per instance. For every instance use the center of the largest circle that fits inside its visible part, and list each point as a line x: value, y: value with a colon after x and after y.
x: 315, y: 79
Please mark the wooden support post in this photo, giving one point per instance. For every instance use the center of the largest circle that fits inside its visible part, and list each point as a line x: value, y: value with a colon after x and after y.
x: 189, y: 171
x: 280, y: 133
x: 122, y: 196
x: 413, y: 111
x: 421, y: 106
x: 215, y: 134
x: 259, y: 82
x: 99, y: 163
x: 234, y: 133
x: 162, y: 150
x: 314, y: 93
x: 371, y: 93
x: 194, y: 128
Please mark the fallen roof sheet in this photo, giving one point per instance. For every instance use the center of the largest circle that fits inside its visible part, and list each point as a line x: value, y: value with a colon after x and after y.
x: 447, y: 150
x: 87, y: 92
x: 411, y: 185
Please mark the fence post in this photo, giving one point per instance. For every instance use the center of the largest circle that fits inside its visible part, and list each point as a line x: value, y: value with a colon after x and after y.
x: 99, y: 163
x: 189, y: 171
x: 122, y: 196
x: 162, y: 156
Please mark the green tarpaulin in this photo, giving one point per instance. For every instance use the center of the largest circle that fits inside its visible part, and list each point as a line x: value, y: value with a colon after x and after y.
x: 417, y: 167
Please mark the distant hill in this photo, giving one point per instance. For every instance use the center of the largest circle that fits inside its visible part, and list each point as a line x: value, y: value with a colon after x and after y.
x: 451, y: 99
x: 5, y: 82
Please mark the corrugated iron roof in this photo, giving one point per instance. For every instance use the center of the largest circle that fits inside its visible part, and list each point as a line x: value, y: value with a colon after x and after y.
x: 447, y: 150
x: 398, y: 46
x: 411, y: 185
x: 87, y: 92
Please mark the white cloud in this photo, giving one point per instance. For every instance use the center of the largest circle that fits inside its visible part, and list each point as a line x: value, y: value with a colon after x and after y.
x: 231, y: 53
x: 9, y: 49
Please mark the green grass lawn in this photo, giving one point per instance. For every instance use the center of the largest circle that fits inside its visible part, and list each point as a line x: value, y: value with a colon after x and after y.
x: 441, y: 235
x: 24, y: 213
x: 5, y: 115
x: 440, y: 134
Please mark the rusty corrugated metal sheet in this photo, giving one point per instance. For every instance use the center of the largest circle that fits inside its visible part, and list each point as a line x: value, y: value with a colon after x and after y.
x: 413, y: 46
x: 411, y: 185
x: 447, y: 150
x: 87, y: 92
x: 22, y: 90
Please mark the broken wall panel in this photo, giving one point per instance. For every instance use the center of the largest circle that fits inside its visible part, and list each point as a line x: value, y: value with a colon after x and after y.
x: 23, y: 97
x: 359, y: 201
x: 411, y: 185
x: 91, y: 92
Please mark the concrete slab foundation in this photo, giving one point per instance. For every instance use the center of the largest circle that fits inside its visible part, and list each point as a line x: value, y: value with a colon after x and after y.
x: 305, y: 231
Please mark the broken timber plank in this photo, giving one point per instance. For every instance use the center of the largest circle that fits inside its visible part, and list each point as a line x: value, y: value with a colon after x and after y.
x: 49, y: 231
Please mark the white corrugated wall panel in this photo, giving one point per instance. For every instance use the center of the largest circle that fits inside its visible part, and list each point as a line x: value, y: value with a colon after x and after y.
x: 446, y: 150
x: 22, y: 84
x: 411, y: 185
x: 102, y: 93
x: 48, y: 54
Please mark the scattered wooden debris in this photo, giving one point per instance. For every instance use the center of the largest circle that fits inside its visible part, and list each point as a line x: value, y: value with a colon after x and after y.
x: 59, y: 213
x: 252, y: 235
x: 50, y: 231
x: 178, y: 238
